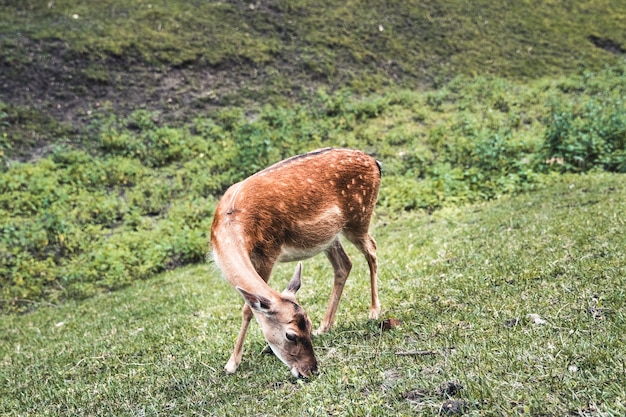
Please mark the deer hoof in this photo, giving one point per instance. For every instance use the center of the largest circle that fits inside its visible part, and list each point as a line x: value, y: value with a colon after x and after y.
x: 230, y: 368
x: 321, y: 330
x: 374, y: 313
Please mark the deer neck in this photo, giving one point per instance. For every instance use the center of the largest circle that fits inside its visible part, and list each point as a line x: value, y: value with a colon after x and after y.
x: 233, y: 257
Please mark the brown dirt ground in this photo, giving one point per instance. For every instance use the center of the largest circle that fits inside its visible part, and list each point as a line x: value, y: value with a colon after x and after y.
x: 65, y: 87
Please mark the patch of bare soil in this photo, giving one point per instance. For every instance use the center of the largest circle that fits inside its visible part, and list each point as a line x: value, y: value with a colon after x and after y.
x: 52, y: 80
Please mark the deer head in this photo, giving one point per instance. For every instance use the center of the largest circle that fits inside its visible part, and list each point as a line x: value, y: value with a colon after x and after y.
x: 286, y: 326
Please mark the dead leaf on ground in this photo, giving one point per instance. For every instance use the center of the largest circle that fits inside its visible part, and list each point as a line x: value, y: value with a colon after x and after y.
x: 390, y: 323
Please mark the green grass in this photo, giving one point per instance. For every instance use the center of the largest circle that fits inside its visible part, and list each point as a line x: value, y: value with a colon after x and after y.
x: 365, y: 44
x: 463, y: 281
x: 135, y: 197
x: 122, y: 122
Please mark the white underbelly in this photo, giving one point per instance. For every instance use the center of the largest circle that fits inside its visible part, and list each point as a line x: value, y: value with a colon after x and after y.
x: 289, y: 254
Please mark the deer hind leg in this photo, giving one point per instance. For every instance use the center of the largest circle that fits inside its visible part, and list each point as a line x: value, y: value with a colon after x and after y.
x: 367, y: 245
x: 341, y: 264
x: 235, y: 358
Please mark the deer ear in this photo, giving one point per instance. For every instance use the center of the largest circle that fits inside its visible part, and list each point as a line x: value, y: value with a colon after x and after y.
x: 296, y: 280
x: 255, y: 301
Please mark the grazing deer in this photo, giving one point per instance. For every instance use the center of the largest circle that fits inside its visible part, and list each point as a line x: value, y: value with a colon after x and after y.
x: 292, y: 211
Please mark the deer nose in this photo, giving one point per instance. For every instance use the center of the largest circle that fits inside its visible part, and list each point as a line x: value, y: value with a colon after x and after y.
x: 306, y: 371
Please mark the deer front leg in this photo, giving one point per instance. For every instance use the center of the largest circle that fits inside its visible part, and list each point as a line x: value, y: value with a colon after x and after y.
x: 342, y: 265
x: 235, y: 358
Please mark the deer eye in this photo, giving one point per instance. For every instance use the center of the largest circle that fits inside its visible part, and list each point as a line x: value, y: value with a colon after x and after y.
x: 291, y: 337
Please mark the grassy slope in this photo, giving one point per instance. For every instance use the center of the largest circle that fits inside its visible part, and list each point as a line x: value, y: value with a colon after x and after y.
x: 75, y: 224
x: 529, y: 38
x: 184, y: 58
x: 158, y: 347
x: 462, y: 281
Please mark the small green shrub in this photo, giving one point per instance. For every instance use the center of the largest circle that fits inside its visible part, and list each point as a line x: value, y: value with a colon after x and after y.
x: 593, y: 136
